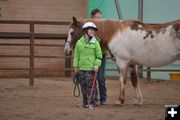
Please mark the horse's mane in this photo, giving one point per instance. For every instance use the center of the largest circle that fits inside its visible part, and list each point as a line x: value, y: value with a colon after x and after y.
x: 106, y: 28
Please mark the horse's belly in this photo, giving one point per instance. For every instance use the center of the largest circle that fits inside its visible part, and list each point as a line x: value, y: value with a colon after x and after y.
x: 153, y: 55
x: 153, y: 60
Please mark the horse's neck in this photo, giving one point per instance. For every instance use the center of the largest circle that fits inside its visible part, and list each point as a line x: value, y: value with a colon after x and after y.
x: 106, y: 30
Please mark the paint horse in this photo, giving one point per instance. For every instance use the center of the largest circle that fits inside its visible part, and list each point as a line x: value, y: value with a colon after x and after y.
x: 133, y: 42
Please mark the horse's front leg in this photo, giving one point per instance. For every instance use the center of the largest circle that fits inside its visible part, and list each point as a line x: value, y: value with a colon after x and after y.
x: 122, y: 81
x: 138, y: 97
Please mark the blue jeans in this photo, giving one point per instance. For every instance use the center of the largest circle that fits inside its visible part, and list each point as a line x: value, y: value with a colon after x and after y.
x: 101, y: 80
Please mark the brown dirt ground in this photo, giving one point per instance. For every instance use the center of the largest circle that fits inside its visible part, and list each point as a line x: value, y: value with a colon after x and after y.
x: 52, y: 99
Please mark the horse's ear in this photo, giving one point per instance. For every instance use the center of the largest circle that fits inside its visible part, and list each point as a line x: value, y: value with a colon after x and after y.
x: 74, y: 20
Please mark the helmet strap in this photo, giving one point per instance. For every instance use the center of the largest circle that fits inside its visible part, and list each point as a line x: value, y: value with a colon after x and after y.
x: 89, y: 37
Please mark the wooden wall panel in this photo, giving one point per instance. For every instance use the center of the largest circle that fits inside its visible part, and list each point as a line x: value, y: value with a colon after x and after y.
x: 49, y: 10
x: 37, y: 10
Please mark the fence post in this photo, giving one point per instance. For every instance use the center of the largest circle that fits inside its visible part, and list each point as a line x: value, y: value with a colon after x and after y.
x: 140, y: 71
x: 68, y: 65
x: 149, y: 73
x: 140, y: 18
x: 31, y: 70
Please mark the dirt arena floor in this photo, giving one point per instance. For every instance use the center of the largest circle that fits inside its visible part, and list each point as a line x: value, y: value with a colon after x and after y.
x: 52, y: 99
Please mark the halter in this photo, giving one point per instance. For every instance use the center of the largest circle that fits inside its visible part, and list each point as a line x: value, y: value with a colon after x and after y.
x: 69, y: 42
x: 69, y: 34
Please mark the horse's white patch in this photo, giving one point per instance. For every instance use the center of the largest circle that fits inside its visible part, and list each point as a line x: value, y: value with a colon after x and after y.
x: 130, y: 45
x: 67, y: 47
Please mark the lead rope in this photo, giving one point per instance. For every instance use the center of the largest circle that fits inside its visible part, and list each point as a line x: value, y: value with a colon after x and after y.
x: 76, y: 85
x: 92, y: 89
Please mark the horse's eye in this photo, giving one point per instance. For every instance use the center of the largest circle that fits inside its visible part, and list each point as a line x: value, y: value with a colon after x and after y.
x: 72, y: 33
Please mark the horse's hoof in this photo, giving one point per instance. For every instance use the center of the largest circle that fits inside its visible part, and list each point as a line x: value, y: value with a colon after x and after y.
x: 137, y: 104
x: 117, y: 102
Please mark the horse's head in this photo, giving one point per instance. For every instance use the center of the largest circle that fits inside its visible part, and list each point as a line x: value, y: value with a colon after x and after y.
x: 75, y: 32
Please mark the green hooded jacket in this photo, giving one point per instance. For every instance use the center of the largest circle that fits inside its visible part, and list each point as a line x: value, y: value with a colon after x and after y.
x: 87, y: 55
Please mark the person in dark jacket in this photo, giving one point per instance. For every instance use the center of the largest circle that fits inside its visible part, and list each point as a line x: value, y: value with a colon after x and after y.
x: 96, y: 14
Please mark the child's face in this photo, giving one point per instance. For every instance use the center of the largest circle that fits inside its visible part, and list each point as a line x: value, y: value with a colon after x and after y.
x: 91, y: 32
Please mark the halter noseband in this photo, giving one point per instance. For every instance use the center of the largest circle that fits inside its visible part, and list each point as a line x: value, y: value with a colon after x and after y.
x: 69, y: 42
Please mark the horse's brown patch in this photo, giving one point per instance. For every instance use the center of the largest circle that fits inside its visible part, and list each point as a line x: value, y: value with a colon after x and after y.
x: 137, y: 25
x: 77, y: 31
x: 157, y: 28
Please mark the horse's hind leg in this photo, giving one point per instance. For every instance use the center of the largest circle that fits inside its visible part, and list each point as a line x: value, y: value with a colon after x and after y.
x: 138, y: 98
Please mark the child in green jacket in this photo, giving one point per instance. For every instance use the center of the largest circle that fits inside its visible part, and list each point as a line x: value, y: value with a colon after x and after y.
x: 87, y: 59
